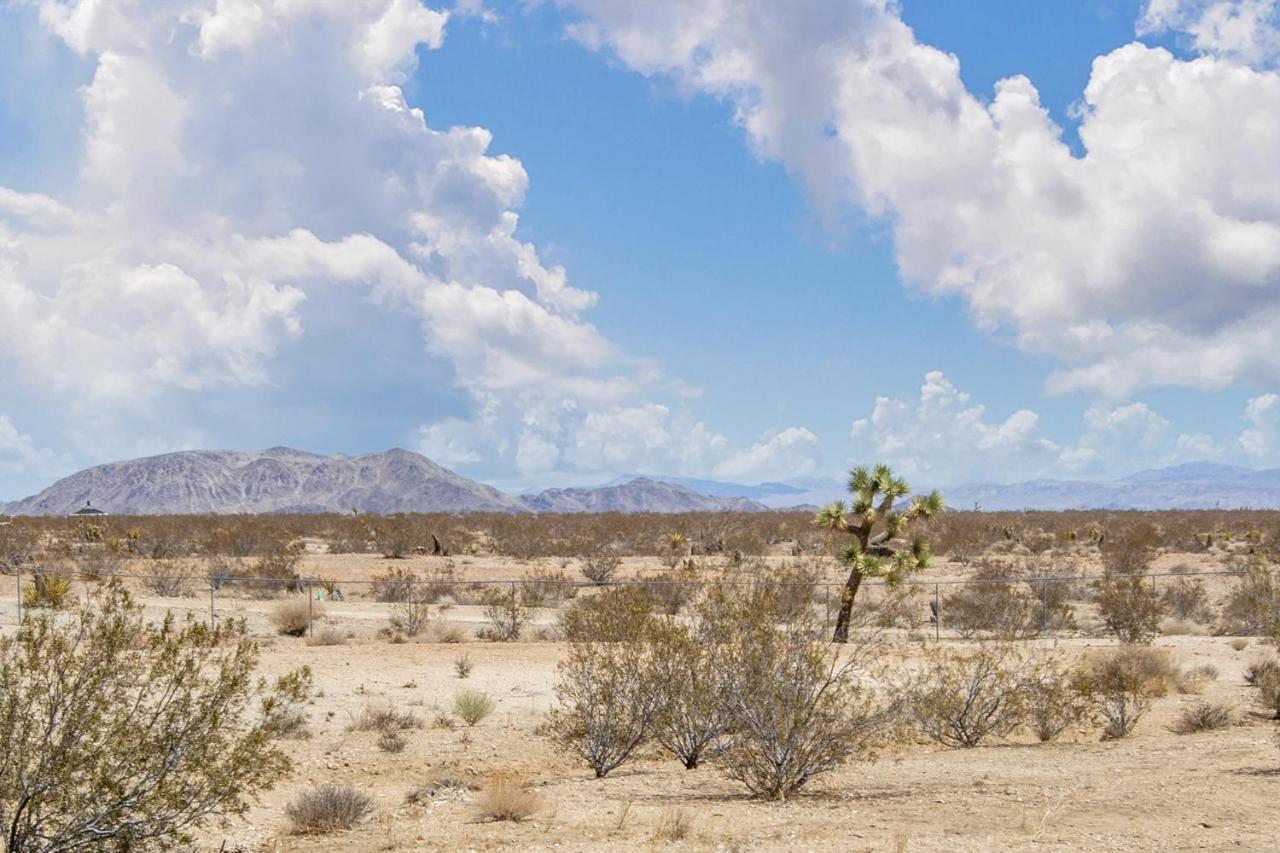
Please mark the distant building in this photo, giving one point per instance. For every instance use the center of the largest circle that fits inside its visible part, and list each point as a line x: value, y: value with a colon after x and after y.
x: 87, y: 510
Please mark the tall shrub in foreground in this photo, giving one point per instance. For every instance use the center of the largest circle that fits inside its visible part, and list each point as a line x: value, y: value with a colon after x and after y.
x: 116, y: 735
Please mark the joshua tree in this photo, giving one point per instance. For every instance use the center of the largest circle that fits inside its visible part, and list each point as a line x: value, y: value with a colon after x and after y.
x: 874, y: 525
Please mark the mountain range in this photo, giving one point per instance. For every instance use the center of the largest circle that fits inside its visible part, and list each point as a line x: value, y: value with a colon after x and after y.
x: 285, y: 480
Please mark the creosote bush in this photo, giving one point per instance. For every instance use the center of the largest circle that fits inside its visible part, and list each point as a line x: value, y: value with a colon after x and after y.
x: 1128, y: 604
x: 963, y: 698
x: 292, y: 616
x: 384, y: 718
x: 116, y: 735
x: 1123, y: 682
x: 1204, y: 717
x: 328, y: 808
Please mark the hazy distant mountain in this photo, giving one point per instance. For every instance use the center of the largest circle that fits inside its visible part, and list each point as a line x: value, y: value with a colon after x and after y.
x: 637, y: 495
x: 275, y: 480
x: 1196, y: 485
x: 775, y: 495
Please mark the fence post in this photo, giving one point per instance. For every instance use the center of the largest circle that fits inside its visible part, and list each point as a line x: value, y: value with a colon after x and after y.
x: 937, y: 613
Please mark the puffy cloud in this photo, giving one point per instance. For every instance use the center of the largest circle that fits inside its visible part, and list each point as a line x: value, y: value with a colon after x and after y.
x: 19, y: 455
x: 779, y: 455
x: 1151, y: 259
x: 1246, y: 30
x: 944, y: 438
x: 245, y: 160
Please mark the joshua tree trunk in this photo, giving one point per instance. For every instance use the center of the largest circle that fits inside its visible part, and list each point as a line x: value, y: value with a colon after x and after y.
x: 841, y: 634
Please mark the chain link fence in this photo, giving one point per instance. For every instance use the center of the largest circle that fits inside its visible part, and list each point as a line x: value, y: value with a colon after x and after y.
x: 1028, y: 607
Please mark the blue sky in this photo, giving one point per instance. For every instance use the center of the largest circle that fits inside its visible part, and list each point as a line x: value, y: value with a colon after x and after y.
x: 699, y: 239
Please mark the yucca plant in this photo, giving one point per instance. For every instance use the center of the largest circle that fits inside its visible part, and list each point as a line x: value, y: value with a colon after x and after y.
x: 874, y: 527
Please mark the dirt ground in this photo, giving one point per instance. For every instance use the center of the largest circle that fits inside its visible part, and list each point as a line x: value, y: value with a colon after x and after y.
x: 1155, y: 790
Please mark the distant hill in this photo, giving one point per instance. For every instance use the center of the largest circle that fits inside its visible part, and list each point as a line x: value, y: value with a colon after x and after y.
x: 638, y: 495
x: 285, y: 480
x: 275, y: 480
x: 801, y: 491
x: 1196, y: 485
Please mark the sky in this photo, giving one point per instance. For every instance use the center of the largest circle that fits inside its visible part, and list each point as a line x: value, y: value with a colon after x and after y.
x: 548, y: 243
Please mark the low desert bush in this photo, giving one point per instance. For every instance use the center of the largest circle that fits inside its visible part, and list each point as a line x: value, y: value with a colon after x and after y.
x: 1204, y: 717
x: 328, y: 808
x: 1268, y: 684
x: 1253, y: 606
x: 327, y: 636
x: 472, y: 706
x: 395, y: 584
x: 1128, y: 606
x: 506, y: 797
x: 506, y: 612
x: 384, y: 718
x: 1123, y: 682
x: 674, y: 824
x: 995, y: 606
x: 1239, y: 644
x: 411, y: 613
x: 449, y: 634
x: 462, y: 665
x: 439, y: 783
x: 963, y: 698
x: 293, y: 616
x: 1192, y: 680
x: 694, y: 718
x: 617, y: 615
x: 600, y: 564
x: 392, y: 741
x: 1186, y: 598
x: 546, y: 588
x: 1053, y: 700
x: 167, y: 578
x: 1260, y: 668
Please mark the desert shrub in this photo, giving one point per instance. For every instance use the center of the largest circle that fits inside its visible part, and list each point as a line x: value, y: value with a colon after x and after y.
x: 1186, y: 598
x: 411, y: 613
x: 674, y: 824
x: 995, y: 605
x: 799, y: 709
x: 392, y: 741
x: 619, y: 614
x: 962, y: 698
x: 275, y: 571
x: 506, y: 797
x: 1239, y: 644
x: 506, y: 613
x: 440, y: 782
x: 1052, y: 699
x: 1193, y: 679
x: 1128, y: 606
x: 671, y: 591
x: 328, y: 808
x: 606, y: 691
x: 472, y: 706
x: 546, y: 588
x: 600, y: 564
x: 396, y: 537
x: 289, y: 722
x: 327, y: 637
x: 117, y: 735
x: 694, y: 717
x: 395, y: 584
x: 292, y: 616
x: 1204, y: 717
x: 1268, y: 684
x: 48, y: 590
x: 18, y: 546
x: 1259, y: 668
x: 462, y: 665
x: 450, y: 634
x: 1253, y: 606
x: 1123, y: 682
x: 384, y: 718
x: 167, y: 578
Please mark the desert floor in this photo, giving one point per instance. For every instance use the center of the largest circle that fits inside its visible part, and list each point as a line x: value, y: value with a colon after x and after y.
x: 1155, y: 790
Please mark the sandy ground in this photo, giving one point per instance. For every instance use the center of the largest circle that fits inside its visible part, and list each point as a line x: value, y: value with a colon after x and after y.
x: 1155, y: 790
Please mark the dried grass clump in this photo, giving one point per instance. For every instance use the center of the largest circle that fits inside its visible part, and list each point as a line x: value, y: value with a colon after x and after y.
x: 392, y: 741
x: 293, y: 616
x: 462, y: 665
x: 674, y: 824
x: 1260, y: 668
x: 507, y: 797
x: 1192, y: 680
x: 328, y: 808
x: 440, y: 783
x: 1204, y: 717
x: 327, y: 636
x: 472, y: 706
x: 384, y: 718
